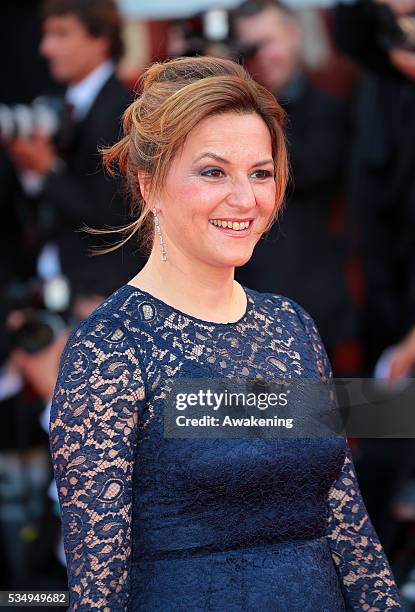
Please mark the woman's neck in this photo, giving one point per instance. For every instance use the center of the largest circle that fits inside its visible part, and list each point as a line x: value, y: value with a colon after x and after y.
x: 207, y: 293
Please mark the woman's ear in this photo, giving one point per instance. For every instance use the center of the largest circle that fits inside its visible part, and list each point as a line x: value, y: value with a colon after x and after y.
x: 144, y: 180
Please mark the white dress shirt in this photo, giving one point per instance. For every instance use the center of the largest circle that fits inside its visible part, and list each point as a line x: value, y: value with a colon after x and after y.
x: 82, y: 95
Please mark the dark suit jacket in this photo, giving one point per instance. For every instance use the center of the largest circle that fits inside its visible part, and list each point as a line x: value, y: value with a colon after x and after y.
x: 82, y: 194
x: 300, y: 257
x: 382, y: 180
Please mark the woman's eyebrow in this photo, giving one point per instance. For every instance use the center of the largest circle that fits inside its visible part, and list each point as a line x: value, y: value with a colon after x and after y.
x: 213, y: 156
x: 225, y: 161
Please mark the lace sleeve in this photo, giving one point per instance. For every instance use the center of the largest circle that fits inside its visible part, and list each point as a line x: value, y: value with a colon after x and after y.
x: 365, y: 575
x: 93, y: 428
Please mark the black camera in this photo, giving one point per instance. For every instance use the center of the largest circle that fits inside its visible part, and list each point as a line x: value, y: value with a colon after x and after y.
x: 37, y: 312
x: 210, y: 33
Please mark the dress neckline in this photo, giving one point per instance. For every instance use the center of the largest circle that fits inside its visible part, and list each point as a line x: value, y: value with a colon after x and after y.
x: 150, y: 296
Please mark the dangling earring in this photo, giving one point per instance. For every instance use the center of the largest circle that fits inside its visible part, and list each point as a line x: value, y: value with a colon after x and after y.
x: 158, y: 230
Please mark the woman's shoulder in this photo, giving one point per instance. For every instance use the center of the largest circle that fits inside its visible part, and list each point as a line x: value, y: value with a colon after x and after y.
x: 296, y: 321
x: 300, y: 324
x: 107, y: 328
x: 108, y: 313
x: 283, y: 306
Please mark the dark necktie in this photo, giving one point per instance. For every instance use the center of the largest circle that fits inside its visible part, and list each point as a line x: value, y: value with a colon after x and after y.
x: 66, y: 135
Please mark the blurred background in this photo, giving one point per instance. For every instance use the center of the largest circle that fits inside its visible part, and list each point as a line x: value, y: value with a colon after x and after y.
x: 343, y: 246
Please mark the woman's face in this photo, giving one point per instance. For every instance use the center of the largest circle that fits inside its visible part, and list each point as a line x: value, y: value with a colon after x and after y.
x: 224, y: 173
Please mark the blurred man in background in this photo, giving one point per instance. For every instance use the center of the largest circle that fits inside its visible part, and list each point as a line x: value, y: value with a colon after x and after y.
x: 82, y: 44
x: 58, y: 187
x: 303, y: 256
x: 383, y: 206
x: 383, y: 177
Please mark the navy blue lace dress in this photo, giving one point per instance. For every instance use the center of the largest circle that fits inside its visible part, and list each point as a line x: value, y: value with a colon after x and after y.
x: 155, y: 524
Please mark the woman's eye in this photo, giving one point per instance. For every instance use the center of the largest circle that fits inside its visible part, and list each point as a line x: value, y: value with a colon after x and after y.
x: 263, y: 174
x: 213, y: 172
x: 218, y: 173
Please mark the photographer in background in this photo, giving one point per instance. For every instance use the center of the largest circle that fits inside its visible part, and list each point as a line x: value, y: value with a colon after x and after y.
x: 82, y: 44
x: 57, y: 177
x: 382, y: 188
x: 382, y: 194
x: 304, y: 254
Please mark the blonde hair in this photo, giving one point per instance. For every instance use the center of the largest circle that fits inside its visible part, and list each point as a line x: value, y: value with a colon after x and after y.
x: 175, y: 96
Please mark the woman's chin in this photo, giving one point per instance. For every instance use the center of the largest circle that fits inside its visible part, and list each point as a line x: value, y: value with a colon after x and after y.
x: 233, y: 260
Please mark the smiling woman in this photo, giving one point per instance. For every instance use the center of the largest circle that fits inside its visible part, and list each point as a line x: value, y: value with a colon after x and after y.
x: 203, y: 143
x: 183, y: 102
x: 153, y: 522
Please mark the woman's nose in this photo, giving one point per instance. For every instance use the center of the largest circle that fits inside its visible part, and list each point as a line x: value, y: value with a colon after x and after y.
x: 242, y: 195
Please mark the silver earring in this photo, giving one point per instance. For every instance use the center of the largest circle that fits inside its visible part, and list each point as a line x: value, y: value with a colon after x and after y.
x: 158, y: 230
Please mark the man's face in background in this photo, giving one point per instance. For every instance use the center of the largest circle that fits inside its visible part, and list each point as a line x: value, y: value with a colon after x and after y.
x: 72, y: 52
x: 279, y: 39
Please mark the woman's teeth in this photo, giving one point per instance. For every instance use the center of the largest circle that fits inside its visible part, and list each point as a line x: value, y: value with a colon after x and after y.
x: 230, y: 224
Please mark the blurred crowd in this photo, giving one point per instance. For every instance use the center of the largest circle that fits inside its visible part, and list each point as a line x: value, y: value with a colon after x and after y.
x: 343, y: 246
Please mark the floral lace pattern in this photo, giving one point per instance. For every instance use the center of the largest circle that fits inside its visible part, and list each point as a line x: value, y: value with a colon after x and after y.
x: 366, y: 578
x: 93, y: 428
x: 123, y: 519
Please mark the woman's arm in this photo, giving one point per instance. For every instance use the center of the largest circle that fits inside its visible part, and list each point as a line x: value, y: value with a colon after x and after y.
x: 366, y: 577
x: 95, y: 411
x: 362, y: 566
